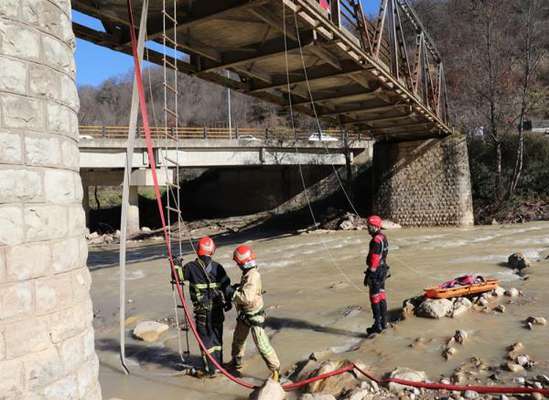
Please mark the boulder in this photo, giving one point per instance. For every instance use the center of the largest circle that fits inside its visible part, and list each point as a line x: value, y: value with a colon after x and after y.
x: 149, y: 331
x: 405, y: 374
x: 449, y: 352
x: 435, y: 308
x: 460, y: 306
x: 271, y: 390
x: 513, y: 292
x: 386, y: 224
x: 500, y: 308
x: 145, y: 229
x: 498, y: 291
x: 536, y: 320
x: 334, y: 385
x: 513, y: 367
x: 460, y: 336
x: 317, y: 396
x: 470, y: 394
x: 518, y: 261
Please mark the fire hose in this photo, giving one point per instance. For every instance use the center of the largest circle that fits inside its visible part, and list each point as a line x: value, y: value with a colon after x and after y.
x: 288, y: 386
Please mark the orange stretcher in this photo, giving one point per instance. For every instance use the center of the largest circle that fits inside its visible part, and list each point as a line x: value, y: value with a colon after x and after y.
x: 460, y: 291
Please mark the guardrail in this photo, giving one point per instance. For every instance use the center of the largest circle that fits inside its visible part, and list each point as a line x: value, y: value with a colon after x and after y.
x: 190, y: 132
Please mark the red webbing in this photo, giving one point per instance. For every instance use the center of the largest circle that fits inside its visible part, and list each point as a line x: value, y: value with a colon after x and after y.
x: 288, y: 386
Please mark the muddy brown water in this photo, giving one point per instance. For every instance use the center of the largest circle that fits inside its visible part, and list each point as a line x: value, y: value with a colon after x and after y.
x: 315, y: 302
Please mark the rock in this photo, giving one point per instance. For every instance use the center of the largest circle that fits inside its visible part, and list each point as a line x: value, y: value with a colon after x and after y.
x: 470, y: 394
x: 405, y: 374
x: 543, y: 378
x: 536, y: 320
x: 460, y: 336
x: 500, y: 308
x: 339, y: 285
x: 518, y: 261
x: 319, y: 355
x: 498, y: 291
x: 271, y: 390
x: 511, y: 366
x: 359, y: 394
x: 449, y: 352
x: 518, y: 346
x: 513, y: 292
x: 520, y: 380
x: 145, y: 229
x: 522, y: 360
x: 460, y: 306
x: 149, y: 331
x: 386, y: 224
x: 117, y: 234
x: 317, y: 396
x: 503, y: 397
x: 537, y: 396
x: 482, y: 302
x: 347, y: 225
x: 435, y: 308
x: 334, y: 385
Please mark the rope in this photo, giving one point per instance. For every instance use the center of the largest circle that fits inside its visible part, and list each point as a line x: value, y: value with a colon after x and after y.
x: 241, y: 382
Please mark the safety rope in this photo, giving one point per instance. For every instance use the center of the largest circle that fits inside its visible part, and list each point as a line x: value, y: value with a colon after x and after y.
x: 241, y: 382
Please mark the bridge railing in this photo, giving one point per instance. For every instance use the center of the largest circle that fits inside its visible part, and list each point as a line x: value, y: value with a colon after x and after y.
x: 237, y: 133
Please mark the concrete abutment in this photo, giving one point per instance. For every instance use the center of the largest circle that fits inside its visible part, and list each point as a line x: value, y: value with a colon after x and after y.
x: 423, y: 183
x: 46, y: 335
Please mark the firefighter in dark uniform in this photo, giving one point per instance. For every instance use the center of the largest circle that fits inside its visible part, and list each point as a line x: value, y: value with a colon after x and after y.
x: 376, y: 273
x: 210, y: 290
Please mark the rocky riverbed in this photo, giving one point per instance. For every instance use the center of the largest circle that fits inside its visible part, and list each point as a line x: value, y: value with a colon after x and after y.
x: 318, y: 312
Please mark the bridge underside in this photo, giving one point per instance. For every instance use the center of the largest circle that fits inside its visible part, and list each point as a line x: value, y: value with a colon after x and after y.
x: 342, y: 83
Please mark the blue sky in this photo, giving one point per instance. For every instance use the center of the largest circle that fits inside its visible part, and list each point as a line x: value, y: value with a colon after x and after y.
x: 94, y: 63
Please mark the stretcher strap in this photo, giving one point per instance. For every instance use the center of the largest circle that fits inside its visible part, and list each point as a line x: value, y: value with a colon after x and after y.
x: 241, y: 382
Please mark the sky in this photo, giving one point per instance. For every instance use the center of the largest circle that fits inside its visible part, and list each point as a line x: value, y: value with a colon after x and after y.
x: 94, y: 64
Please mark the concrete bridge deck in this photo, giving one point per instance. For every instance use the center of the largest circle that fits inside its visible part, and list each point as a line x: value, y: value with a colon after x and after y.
x: 367, y: 80
x: 106, y: 148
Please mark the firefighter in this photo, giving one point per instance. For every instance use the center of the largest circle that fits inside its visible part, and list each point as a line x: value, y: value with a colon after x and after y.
x: 209, y: 287
x: 251, y: 316
x: 376, y: 273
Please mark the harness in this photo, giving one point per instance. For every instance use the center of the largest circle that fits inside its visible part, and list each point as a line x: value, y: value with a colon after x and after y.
x: 252, y: 319
x: 199, y: 290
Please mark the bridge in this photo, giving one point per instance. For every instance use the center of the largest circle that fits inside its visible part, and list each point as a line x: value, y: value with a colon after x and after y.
x: 377, y: 82
x: 385, y: 78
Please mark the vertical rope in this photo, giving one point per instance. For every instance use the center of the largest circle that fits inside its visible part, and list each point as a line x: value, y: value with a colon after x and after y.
x: 126, y: 188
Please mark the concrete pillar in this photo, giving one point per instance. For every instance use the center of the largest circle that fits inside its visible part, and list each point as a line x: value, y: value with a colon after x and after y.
x: 46, y: 335
x: 133, y: 210
x: 423, y: 183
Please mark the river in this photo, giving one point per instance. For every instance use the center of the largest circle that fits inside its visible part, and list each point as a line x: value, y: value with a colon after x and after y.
x: 315, y: 301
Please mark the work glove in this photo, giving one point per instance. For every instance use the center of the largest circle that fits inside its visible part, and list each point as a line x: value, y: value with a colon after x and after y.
x: 179, y: 271
x: 366, y: 277
x: 227, y: 306
x: 230, y: 291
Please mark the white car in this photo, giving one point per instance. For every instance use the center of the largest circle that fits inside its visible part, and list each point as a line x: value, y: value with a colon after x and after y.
x: 315, y: 137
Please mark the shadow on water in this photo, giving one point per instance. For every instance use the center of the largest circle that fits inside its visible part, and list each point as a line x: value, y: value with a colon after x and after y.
x: 293, y: 323
x: 155, y: 355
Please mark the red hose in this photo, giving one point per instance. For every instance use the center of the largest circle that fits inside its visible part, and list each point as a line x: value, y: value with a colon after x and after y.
x: 241, y: 382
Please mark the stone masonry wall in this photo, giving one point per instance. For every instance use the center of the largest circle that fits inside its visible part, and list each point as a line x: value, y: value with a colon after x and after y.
x: 46, y: 336
x: 423, y: 183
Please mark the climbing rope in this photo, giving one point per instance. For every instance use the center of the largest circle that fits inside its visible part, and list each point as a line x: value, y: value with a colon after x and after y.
x: 288, y: 386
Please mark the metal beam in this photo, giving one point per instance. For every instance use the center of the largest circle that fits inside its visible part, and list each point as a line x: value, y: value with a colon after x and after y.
x: 347, y: 96
x: 349, y: 71
x: 384, y: 119
x: 363, y: 109
x: 272, y: 48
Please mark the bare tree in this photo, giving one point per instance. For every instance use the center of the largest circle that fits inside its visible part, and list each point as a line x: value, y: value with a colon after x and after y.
x: 530, y: 53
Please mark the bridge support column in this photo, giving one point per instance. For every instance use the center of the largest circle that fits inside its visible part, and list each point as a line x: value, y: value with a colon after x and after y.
x: 133, y: 211
x: 423, y: 183
x: 46, y: 333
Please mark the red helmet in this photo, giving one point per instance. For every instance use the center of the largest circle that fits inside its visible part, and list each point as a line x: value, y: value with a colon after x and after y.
x: 206, y: 247
x: 243, y: 255
x: 374, y: 221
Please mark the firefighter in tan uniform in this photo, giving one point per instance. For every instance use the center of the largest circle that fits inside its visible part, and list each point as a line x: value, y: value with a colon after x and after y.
x: 251, y: 316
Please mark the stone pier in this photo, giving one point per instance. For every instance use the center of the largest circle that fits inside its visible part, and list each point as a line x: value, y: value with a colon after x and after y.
x: 423, y: 183
x: 46, y: 336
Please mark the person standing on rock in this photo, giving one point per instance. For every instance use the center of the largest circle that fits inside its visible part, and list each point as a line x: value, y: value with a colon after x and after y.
x: 210, y: 290
x: 376, y: 273
x: 248, y: 298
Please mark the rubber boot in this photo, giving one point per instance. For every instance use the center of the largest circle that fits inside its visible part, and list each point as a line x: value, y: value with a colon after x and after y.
x: 376, y: 327
x: 383, y: 312
x: 235, y: 364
